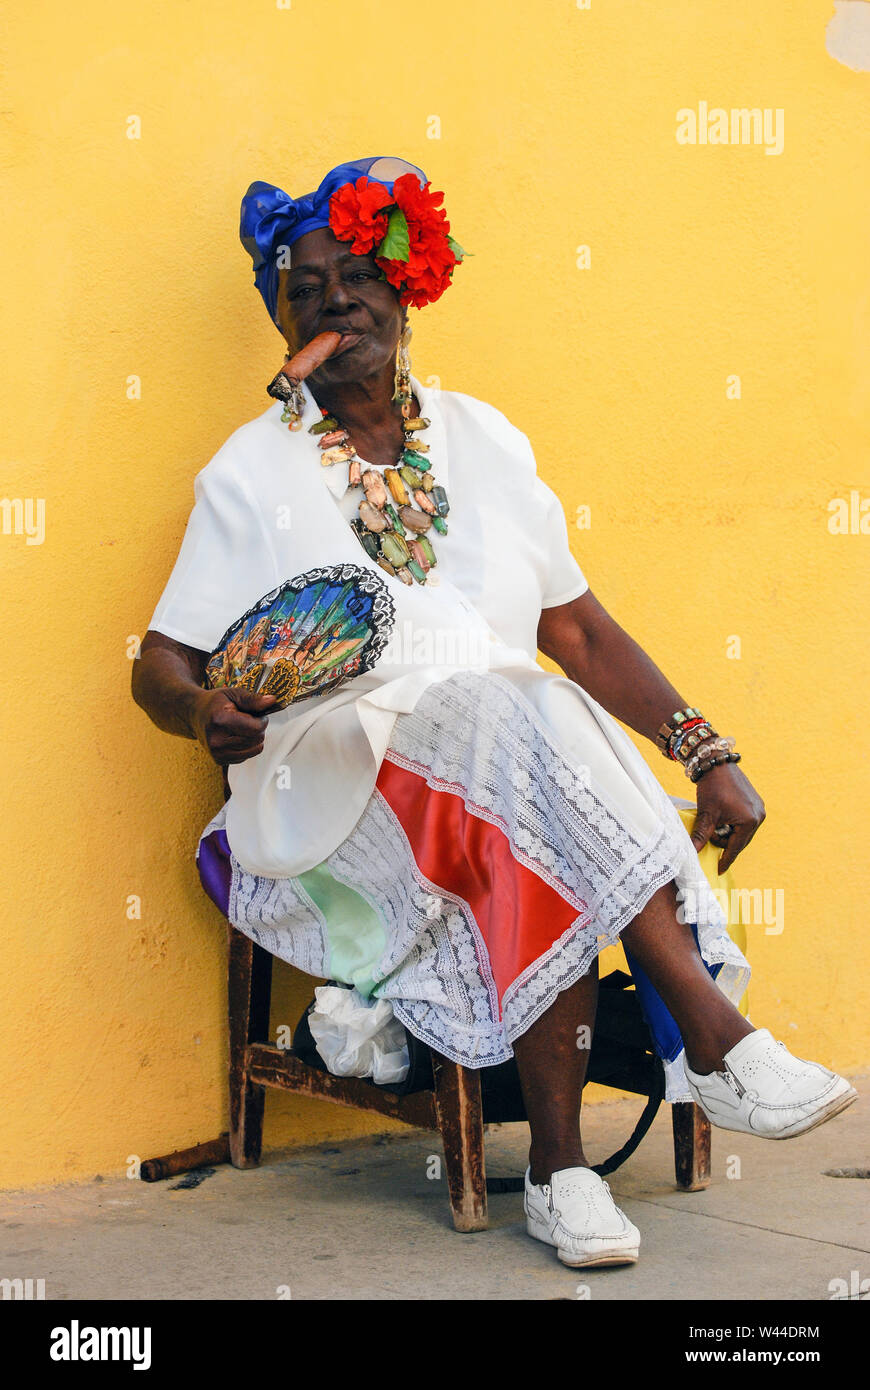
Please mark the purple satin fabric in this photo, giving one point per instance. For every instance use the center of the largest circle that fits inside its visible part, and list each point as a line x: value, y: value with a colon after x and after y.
x: 215, y: 870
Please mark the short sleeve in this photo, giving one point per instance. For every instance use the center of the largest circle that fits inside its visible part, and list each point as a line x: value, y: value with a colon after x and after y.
x: 565, y: 579
x: 224, y: 565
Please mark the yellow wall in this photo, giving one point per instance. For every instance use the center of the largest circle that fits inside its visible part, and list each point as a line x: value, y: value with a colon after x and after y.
x: 709, y: 515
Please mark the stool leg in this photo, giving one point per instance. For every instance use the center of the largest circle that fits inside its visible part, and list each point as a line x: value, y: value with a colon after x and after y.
x: 249, y: 987
x: 691, y: 1147
x: 460, y: 1120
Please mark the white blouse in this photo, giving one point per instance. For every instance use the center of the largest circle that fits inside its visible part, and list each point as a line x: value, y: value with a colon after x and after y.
x: 267, y: 511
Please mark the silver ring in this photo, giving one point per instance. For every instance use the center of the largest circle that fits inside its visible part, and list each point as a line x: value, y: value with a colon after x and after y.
x: 724, y: 830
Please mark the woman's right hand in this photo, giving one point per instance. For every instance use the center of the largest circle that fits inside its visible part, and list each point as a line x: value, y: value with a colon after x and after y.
x: 230, y: 723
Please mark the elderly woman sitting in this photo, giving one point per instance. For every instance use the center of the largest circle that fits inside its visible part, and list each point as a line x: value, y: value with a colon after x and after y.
x: 351, y: 629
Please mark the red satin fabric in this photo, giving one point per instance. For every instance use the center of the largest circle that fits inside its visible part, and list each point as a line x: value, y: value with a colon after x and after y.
x: 519, y: 915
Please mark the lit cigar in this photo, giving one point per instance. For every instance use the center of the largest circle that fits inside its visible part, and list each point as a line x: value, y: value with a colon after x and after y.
x: 285, y: 386
x: 310, y: 357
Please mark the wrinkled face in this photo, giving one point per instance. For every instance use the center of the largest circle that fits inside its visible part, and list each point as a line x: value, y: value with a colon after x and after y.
x: 328, y: 288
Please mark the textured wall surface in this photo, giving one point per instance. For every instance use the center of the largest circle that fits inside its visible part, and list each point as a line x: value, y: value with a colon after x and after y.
x: 551, y: 127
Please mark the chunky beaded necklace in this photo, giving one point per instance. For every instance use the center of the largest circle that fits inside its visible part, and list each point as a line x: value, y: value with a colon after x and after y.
x: 389, y: 527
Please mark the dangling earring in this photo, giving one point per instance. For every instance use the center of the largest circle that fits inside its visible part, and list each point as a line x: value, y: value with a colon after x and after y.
x: 403, y: 391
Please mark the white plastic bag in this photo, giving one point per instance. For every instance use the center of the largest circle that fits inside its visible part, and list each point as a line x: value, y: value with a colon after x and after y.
x: 356, y: 1036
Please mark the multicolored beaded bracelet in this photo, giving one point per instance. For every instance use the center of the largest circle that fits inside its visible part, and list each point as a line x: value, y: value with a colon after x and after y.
x: 713, y: 762
x: 691, y: 740
x: 706, y: 750
x: 687, y: 739
x: 688, y: 727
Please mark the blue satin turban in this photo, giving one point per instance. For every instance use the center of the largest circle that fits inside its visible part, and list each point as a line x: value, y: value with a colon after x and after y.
x: 271, y: 218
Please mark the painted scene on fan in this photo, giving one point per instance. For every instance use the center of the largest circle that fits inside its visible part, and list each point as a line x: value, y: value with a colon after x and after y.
x: 306, y: 636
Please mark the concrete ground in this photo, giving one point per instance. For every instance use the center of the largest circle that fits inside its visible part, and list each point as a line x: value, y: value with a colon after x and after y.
x: 364, y: 1220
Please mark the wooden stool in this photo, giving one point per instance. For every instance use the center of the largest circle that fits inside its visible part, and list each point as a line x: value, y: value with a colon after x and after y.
x: 453, y: 1107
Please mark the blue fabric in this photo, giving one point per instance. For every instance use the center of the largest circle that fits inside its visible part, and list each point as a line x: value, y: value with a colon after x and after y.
x: 271, y: 218
x: 660, y: 1021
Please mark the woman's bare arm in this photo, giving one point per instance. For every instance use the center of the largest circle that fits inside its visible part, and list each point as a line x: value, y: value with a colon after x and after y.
x: 167, y: 683
x: 593, y: 650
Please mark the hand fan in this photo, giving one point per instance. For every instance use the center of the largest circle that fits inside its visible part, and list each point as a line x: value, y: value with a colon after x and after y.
x: 306, y: 637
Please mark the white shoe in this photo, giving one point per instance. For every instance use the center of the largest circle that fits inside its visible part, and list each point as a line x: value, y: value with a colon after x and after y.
x: 576, y: 1213
x: 764, y: 1090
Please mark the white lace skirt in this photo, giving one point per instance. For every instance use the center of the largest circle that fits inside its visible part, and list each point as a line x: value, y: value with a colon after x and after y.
x: 513, y: 833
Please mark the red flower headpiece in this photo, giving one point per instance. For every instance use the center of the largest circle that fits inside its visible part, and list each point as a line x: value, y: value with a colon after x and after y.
x: 407, y: 229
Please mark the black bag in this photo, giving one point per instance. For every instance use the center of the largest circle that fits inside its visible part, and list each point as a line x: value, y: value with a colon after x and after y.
x: 622, y: 1056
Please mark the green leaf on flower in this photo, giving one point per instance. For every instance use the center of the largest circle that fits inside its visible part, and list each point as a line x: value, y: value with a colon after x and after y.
x: 456, y: 248
x: 396, y: 245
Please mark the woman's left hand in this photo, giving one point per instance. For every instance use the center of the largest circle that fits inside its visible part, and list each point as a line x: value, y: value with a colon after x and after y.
x: 725, y: 796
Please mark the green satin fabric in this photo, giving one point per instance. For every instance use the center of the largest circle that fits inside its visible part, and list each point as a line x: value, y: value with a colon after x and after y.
x: 357, y: 939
